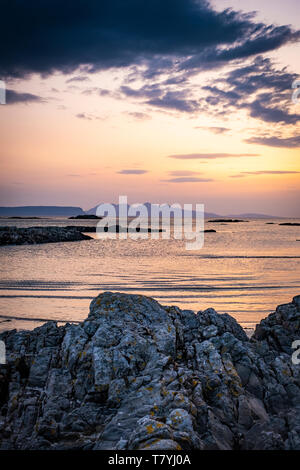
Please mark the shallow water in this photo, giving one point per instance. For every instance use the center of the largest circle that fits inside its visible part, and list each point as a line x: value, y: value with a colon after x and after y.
x: 244, y: 269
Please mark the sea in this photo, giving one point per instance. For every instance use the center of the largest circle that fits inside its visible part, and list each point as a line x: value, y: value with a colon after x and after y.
x: 244, y: 269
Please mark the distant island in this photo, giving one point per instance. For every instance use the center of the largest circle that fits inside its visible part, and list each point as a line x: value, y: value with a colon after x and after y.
x: 210, y: 215
x: 22, y: 218
x: 86, y: 216
x: 41, y: 211
x: 75, y: 212
x: 226, y: 221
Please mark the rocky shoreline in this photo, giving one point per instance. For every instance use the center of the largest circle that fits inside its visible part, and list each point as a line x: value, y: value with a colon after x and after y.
x: 53, y: 234
x: 33, y: 235
x: 137, y: 375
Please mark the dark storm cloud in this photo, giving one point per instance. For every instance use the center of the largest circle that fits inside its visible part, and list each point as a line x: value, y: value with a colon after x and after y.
x: 98, y: 34
x: 281, y: 142
x: 264, y: 39
x: 132, y: 172
x: 14, y: 97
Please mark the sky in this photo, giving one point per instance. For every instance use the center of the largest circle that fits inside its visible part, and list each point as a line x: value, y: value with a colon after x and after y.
x: 185, y: 101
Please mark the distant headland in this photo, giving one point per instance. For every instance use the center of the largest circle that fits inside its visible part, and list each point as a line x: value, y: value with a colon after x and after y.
x: 78, y: 212
x: 41, y: 211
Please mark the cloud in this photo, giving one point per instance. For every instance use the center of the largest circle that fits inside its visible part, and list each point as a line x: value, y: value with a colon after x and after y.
x: 14, y: 97
x: 265, y: 39
x: 139, y: 116
x: 79, y: 78
x: 289, y: 142
x: 271, y: 114
x: 264, y: 172
x: 83, y: 116
x: 188, y: 180
x: 89, y: 117
x: 240, y: 175
x: 159, y: 96
x: 211, y: 156
x: 183, y: 173
x: 144, y: 39
x: 132, y: 172
x: 99, y: 91
x: 258, y: 88
x: 214, y: 130
x: 175, y: 101
x: 43, y: 37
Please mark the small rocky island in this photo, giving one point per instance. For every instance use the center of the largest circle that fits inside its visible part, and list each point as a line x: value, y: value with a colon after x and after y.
x: 86, y: 216
x: 53, y: 234
x: 226, y: 221
x: 291, y: 224
x: 138, y: 375
x: 33, y: 235
x: 123, y: 229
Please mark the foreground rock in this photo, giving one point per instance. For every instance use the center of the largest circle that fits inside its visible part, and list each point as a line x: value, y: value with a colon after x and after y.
x: 137, y: 375
x: 33, y: 235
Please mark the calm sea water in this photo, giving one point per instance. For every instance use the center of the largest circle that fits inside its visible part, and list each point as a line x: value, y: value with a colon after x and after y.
x: 244, y: 269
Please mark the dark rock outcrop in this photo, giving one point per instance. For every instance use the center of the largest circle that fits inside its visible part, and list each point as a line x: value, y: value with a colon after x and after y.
x: 227, y: 221
x: 119, y: 229
x: 86, y: 216
x: 40, y: 211
x: 291, y: 224
x: 137, y: 375
x: 33, y: 235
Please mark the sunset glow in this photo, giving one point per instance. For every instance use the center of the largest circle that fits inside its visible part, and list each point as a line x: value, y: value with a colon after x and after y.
x: 85, y: 137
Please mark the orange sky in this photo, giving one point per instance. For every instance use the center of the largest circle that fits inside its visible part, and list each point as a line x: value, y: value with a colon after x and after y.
x: 72, y: 147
